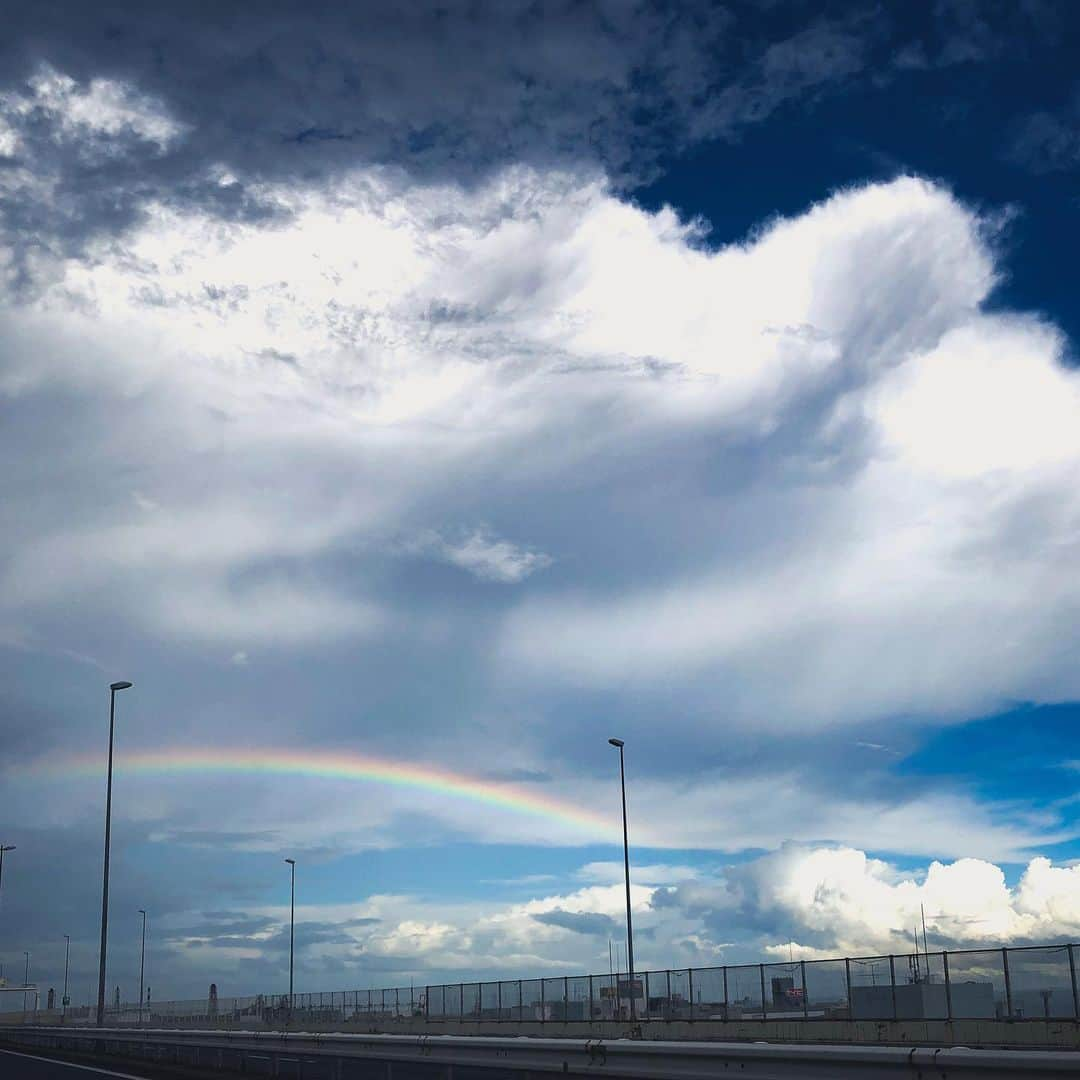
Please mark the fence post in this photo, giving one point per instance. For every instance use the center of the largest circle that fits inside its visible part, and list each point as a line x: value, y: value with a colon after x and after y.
x: 726, y: 1007
x: 948, y: 985
x: 461, y: 1002
x: 1008, y: 984
x: 397, y: 1004
x: 499, y: 984
x: 591, y: 1013
x: 565, y: 999
x: 646, y: 995
x: 805, y: 995
x: 521, y: 1003
x: 847, y: 980
x: 427, y: 1004
x: 761, y: 970
x: 1072, y: 976
x: 669, y: 993
x: 542, y: 1008
x: 892, y: 982
x: 690, y: 990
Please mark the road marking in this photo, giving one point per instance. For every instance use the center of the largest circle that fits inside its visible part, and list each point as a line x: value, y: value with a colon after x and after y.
x: 72, y: 1065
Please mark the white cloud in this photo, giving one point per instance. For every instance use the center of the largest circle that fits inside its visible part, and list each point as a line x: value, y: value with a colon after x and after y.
x: 484, y: 555
x: 743, y: 458
x: 838, y: 901
x: 99, y: 110
x: 810, y: 902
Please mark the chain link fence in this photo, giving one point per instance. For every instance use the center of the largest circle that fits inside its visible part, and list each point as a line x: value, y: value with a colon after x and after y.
x: 1016, y: 984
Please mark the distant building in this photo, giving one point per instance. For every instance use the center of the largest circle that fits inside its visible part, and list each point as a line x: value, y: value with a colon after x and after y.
x: 785, y: 994
x: 924, y: 1001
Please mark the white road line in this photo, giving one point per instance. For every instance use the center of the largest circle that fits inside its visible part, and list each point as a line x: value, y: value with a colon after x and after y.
x: 70, y: 1065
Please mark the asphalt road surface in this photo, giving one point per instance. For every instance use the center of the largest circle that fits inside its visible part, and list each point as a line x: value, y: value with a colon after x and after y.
x: 19, y: 1066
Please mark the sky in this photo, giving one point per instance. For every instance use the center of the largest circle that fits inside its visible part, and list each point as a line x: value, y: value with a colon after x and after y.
x: 407, y: 398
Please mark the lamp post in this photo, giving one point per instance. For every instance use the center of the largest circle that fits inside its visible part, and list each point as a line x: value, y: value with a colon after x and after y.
x: 113, y: 689
x: 619, y: 744
x: 67, y: 957
x: 26, y: 983
x: 3, y: 848
x: 292, y: 924
x: 142, y: 962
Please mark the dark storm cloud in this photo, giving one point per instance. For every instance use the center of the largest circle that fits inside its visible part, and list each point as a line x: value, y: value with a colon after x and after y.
x: 581, y: 922
x: 299, y: 91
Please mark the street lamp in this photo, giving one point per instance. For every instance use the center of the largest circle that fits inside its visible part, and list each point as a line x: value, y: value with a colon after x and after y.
x: 142, y: 962
x: 3, y: 848
x: 113, y: 689
x: 67, y: 957
x: 619, y: 744
x: 292, y: 924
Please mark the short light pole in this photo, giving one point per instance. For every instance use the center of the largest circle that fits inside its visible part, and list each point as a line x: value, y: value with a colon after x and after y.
x: 619, y: 744
x: 292, y: 925
x: 25, y: 982
x: 113, y: 689
x: 142, y: 962
x: 67, y: 957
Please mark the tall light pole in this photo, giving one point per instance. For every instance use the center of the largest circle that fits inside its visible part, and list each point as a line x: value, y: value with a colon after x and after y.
x: 3, y: 848
x: 142, y: 962
x: 113, y: 689
x: 292, y: 923
x: 67, y: 957
x: 619, y: 744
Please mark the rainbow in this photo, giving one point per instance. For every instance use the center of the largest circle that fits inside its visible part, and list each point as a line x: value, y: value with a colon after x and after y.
x: 207, y: 761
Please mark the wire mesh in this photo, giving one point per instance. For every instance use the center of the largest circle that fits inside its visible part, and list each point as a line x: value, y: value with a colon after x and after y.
x: 1022, y: 983
x: 1041, y: 983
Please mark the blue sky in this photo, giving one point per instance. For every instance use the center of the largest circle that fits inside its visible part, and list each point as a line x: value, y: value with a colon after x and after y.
x: 462, y: 389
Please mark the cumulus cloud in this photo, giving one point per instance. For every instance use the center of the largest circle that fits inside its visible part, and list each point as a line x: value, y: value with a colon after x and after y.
x: 803, y: 901
x: 839, y: 901
x: 807, y: 475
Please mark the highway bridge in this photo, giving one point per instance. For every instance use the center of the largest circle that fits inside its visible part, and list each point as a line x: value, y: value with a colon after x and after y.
x: 77, y: 1054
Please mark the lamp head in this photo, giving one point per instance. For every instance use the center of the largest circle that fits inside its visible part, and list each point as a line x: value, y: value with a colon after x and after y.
x: 122, y: 685
x: 141, y: 912
x: 291, y: 862
x: 617, y: 742
x: 8, y: 847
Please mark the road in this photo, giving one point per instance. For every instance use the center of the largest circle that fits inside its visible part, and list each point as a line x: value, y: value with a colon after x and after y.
x: 18, y: 1066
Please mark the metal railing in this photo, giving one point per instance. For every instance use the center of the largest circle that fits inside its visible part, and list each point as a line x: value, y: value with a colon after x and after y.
x: 1021, y: 983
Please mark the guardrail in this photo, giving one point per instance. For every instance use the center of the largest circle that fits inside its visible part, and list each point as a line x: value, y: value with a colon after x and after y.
x: 399, y: 1057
